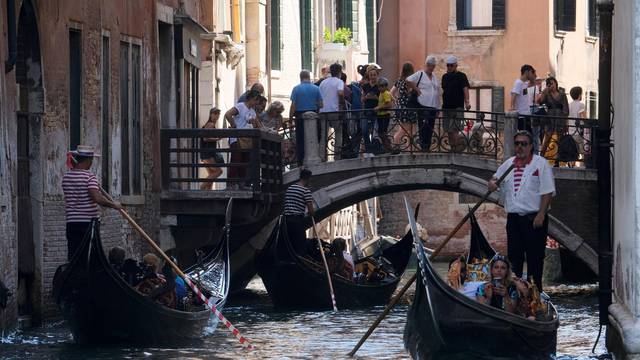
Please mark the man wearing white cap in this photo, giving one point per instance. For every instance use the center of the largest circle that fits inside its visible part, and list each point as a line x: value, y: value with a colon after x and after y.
x: 455, y: 97
x: 82, y: 195
x: 425, y: 85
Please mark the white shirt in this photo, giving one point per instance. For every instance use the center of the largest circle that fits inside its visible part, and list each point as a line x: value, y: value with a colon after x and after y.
x: 242, y: 119
x: 429, y: 89
x: 537, y: 180
x: 469, y: 288
x: 575, y: 108
x: 329, y: 88
x: 524, y: 99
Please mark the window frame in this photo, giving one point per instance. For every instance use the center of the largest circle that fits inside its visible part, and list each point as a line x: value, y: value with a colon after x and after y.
x: 132, y: 187
x: 498, y: 16
x: 105, y: 108
x: 276, y: 35
x: 560, y: 23
x: 75, y: 116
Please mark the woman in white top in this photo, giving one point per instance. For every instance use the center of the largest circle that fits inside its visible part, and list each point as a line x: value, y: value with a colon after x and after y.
x: 241, y: 116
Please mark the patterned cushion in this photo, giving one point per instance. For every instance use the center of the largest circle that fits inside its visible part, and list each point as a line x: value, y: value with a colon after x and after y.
x: 478, y: 270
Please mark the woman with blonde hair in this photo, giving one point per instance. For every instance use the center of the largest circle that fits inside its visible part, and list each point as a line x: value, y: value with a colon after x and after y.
x: 500, y: 292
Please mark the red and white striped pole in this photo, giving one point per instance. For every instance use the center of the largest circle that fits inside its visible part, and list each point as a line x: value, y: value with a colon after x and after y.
x: 243, y: 341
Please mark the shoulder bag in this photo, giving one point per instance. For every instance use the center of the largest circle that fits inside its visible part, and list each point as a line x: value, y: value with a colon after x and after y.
x: 413, y: 102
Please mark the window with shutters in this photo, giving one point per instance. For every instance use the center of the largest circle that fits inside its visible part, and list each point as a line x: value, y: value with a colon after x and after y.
x: 75, y: 87
x: 106, y: 114
x: 564, y: 15
x: 276, y: 37
x: 306, y: 34
x: 370, y: 16
x: 480, y: 14
x: 347, y: 16
x: 593, y: 25
x: 131, y: 117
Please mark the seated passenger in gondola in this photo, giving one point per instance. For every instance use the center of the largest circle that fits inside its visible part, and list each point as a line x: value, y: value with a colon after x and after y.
x: 155, y: 284
x: 500, y: 292
x: 457, y: 278
x: 337, y: 261
x: 116, y: 257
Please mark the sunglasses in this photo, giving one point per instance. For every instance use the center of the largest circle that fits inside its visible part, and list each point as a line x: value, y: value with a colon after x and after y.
x: 521, y: 143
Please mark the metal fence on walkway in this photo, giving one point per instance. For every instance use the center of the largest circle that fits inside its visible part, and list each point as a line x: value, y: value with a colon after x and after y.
x: 349, y: 134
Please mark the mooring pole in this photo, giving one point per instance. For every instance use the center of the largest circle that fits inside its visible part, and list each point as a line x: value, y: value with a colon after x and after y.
x: 603, y: 161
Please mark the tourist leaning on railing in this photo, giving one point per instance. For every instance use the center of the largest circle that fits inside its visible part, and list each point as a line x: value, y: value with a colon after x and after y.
x: 241, y: 116
x: 304, y: 97
x: 426, y: 87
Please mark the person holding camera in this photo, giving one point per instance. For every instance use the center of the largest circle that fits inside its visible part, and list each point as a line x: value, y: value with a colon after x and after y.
x: 500, y: 292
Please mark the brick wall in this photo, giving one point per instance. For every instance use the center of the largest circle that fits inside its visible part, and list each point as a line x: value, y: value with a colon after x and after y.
x: 440, y: 211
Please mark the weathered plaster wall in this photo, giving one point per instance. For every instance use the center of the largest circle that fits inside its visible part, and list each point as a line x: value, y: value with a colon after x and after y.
x: 626, y: 154
x: 8, y: 169
x: 121, y: 20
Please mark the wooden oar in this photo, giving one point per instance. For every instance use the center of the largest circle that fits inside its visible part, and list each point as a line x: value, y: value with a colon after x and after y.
x: 243, y: 341
x: 435, y: 253
x: 326, y: 266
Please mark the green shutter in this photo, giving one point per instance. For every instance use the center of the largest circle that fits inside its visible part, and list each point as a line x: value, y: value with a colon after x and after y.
x: 306, y: 34
x: 354, y: 22
x: 344, y: 18
x: 499, y: 14
x: 370, y: 10
x: 276, y: 38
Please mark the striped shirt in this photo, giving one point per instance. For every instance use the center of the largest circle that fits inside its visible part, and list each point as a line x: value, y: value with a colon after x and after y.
x: 517, y: 177
x: 78, y: 203
x: 295, y: 200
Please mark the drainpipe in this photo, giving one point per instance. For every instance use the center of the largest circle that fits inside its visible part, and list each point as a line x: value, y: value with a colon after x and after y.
x: 603, y: 138
x: 235, y: 16
x: 11, y: 36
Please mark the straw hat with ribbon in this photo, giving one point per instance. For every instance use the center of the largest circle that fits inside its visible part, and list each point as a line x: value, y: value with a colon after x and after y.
x: 80, y: 151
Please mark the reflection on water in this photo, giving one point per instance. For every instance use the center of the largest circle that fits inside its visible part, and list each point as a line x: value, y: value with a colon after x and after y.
x: 296, y: 335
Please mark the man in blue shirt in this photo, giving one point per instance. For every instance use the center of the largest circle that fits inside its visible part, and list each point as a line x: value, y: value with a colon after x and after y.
x: 304, y: 97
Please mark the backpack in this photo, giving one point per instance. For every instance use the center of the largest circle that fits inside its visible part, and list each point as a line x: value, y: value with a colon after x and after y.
x: 356, y: 96
x: 567, y: 149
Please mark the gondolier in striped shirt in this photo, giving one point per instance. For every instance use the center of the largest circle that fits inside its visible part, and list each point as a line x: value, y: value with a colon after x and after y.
x: 82, y: 195
x: 526, y: 194
x: 297, y: 202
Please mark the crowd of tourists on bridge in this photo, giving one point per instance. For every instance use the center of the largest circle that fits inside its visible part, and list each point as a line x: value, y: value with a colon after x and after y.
x: 373, y: 115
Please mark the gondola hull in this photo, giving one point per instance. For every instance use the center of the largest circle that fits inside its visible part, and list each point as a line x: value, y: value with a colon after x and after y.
x: 297, y: 282
x: 453, y: 326
x: 444, y: 324
x: 101, y: 308
x: 292, y: 286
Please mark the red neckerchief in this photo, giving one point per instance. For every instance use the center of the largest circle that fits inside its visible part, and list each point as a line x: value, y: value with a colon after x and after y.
x: 520, y: 163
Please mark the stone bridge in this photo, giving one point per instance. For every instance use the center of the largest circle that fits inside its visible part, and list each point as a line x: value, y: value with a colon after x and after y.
x: 573, y: 220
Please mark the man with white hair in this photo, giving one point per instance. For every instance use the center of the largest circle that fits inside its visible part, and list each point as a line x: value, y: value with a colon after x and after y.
x: 425, y: 85
x: 455, y: 99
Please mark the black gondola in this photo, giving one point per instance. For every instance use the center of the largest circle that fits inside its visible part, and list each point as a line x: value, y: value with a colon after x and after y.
x: 444, y: 324
x: 100, y: 307
x: 300, y: 282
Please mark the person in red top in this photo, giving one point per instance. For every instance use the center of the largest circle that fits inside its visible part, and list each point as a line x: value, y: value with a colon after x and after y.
x: 82, y: 195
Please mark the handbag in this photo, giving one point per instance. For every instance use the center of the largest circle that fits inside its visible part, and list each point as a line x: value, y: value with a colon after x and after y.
x: 245, y: 142
x: 567, y: 149
x: 413, y: 102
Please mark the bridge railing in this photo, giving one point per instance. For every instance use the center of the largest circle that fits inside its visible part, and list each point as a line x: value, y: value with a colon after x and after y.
x: 350, y: 134
x: 191, y: 158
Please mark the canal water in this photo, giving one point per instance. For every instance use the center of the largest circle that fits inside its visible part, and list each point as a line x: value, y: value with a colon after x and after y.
x: 304, y: 335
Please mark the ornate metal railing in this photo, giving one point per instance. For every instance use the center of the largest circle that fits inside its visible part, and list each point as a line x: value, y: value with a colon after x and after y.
x: 350, y: 134
x: 188, y: 163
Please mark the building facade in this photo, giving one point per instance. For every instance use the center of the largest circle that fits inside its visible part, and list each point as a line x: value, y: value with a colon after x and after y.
x: 623, y: 334
x: 107, y: 74
x: 492, y: 40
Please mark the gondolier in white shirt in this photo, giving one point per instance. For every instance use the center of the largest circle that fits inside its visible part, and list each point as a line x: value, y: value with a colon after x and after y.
x: 82, y: 195
x: 526, y: 194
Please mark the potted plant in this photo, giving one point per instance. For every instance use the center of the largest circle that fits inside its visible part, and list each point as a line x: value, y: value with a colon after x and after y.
x: 338, y: 41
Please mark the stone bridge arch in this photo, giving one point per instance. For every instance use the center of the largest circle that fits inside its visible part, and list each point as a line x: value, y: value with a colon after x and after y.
x: 346, y: 182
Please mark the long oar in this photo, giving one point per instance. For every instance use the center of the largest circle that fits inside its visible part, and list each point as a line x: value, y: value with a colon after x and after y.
x: 326, y: 266
x: 243, y: 341
x: 435, y: 253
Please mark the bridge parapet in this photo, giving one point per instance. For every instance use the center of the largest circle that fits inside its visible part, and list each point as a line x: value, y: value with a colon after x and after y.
x: 364, y: 133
